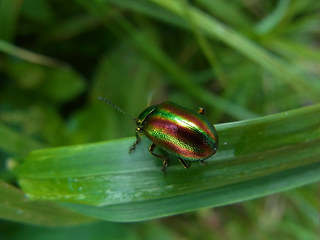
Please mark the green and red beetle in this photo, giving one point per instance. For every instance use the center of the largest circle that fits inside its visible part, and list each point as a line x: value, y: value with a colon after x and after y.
x: 179, y: 131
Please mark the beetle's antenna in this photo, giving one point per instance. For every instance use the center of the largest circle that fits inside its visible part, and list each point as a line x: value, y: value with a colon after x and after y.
x: 116, y: 107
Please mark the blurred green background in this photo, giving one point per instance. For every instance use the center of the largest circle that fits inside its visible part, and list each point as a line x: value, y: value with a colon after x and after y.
x: 238, y: 59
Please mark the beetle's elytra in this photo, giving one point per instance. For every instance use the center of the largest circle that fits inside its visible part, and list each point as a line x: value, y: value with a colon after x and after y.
x: 179, y: 131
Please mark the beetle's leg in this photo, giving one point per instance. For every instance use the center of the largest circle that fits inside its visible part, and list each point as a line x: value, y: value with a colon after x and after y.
x: 184, y: 164
x: 164, y: 158
x: 201, y: 110
x: 203, y: 162
x: 138, y: 139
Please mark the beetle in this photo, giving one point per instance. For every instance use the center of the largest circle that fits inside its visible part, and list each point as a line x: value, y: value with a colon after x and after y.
x: 181, y: 132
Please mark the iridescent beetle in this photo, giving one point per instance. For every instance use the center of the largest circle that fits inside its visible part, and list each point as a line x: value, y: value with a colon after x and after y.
x: 179, y: 131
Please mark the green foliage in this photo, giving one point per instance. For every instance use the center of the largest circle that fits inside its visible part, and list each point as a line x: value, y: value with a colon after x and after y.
x: 240, y: 60
x: 256, y: 157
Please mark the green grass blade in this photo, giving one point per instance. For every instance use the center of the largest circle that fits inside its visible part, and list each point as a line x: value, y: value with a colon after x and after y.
x: 293, y: 50
x: 181, y: 78
x: 155, y: 208
x: 147, y: 8
x: 207, y: 50
x: 227, y: 11
x: 290, y: 74
x: 178, y: 76
x: 256, y: 157
x: 272, y: 20
x: 15, y: 206
x: 30, y: 56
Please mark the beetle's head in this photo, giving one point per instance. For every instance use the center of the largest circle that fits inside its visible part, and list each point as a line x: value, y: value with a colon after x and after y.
x: 142, y: 117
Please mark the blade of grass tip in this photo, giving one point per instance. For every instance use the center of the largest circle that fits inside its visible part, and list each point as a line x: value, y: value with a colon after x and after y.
x: 182, y: 79
x: 267, y: 24
x: 15, y: 206
x: 30, y: 56
x: 291, y: 74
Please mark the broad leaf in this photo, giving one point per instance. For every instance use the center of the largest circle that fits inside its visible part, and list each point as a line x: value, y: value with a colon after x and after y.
x: 256, y: 157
